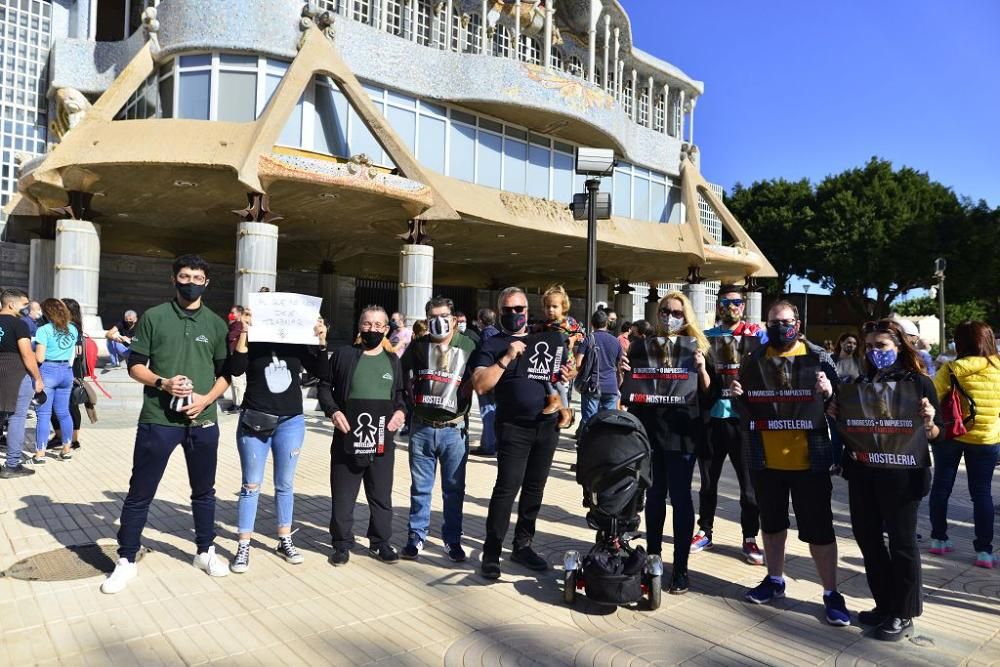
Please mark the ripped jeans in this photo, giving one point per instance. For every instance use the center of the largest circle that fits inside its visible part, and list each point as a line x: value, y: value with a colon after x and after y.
x: 285, y: 443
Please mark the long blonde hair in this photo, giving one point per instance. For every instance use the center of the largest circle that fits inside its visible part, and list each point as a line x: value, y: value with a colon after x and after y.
x: 691, y: 327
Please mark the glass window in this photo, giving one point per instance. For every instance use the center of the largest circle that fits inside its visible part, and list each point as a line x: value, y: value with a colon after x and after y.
x: 657, y: 202
x: 538, y: 171
x: 432, y: 140
x: 562, y: 180
x: 463, y: 117
x: 622, y: 197
x: 271, y: 82
x: 640, y: 199
x: 291, y: 134
x: 402, y: 100
x: 490, y: 159
x: 490, y: 125
x: 515, y: 166
x: 194, y: 94
x: 201, y: 60
x: 238, y: 60
x: 674, y: 207
x: 405, y: 124
x: 237, y: 96
x: 330, y: 122
x: 361, y: 140
x: 463, y: 152
x: 433, y: 109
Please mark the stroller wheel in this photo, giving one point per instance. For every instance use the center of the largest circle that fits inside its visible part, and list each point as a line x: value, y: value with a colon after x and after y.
x: 655, y: 592
x: 569, y: 591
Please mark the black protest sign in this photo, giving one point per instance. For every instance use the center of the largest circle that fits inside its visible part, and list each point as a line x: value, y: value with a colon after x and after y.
x: 780, y: 393
x: 543, y: 356
x: 368, y: 433
x: 881, y: 424
x: 726, y: 353
x: 438, y: 376
x: 663, y: 372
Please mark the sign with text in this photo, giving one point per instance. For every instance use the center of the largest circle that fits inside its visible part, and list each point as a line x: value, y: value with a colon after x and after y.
x: 283, y: 317
x: 368, y: 434
x: 544, y: 355
x: 881, y: 425
x: 438, y: 380
x: 663, y: 372
x: 780, y: 393
x: 726, y: 353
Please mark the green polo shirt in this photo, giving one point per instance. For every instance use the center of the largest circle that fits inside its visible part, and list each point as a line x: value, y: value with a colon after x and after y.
x: 179, y: 342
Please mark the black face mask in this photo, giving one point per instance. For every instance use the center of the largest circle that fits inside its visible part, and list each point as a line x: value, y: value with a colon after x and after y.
x: 371, y: 339
x: 513, y: 322
x: 189, y: 291
x: 781, y: 335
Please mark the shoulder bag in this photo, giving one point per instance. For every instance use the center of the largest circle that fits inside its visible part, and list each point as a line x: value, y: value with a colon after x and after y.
x: 951, y: 410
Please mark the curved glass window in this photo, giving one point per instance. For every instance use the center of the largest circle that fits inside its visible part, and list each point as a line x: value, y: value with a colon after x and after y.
x: 501, y: 42
x: 529, y: 51
x: 575, y: 66
x: 557, y: 59
x: 474, y: 34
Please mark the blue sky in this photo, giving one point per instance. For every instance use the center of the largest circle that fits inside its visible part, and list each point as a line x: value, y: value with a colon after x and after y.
x: 795, y: 88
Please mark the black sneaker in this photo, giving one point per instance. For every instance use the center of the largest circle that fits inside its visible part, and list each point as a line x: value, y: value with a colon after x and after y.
x: 34, y: 460
x: 340, y: 556
x: 455, y: 552
x: 527, y: 557
x: 894, y: 629
x: 871, y: 618
x: 286, y: 549
x: 678, y: 583
x: 6, y: 472
x: 384, y: 552
x: 241, y: 561
x: 490, y: 569
x: 413, y: 547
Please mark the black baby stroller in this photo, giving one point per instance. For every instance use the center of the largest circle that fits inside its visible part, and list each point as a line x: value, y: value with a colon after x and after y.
x: 613, y: 469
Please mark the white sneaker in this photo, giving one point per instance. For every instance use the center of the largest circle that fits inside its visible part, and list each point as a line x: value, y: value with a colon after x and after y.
x: 212, y: 564
x: 124, y: 573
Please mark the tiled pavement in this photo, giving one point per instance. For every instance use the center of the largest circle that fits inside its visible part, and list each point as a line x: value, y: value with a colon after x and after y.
x: 430, y: 611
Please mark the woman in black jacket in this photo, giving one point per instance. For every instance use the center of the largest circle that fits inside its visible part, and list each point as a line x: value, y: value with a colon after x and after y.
x: 887, y: 498
x: 364, y: 396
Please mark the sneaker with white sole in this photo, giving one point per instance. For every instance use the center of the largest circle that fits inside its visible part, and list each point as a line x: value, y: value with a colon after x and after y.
x: 286, y: 549
x: 985, y: 559
x: 118, y: 581
x: 212, y: 564
x: 241, y: 561
x: 700, y: 542
x: 752, y: 553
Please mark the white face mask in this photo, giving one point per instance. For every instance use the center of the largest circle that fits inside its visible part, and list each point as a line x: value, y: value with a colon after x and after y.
x: 462, y: 326
x: 672, y: 324
x: 439, y: 327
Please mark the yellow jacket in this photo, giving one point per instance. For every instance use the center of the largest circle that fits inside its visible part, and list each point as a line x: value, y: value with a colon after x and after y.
x: 980, y: 378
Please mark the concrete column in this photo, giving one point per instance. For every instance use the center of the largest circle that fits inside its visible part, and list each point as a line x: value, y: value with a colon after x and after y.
x: 383, y: 16
x: 41, y: 269
x: 618, y: 79
x: 256, y: 259
x: 449, y: 30
x: 411, y: 10
x: 694, y: 101
x: 635, y: 95
x: 416, y: 280
x: 680, y: 124
x: 547, y: 56
x: 624, y: 302
x: 652, y: 305
x: 77, y: 262
x: 483, y: 39
x: 607, y: 51
x: 666, y: 111
x: 754, y: 305
x: 651, y: 111
x: 601, y: 295
x: 348, y: 7
x: 695, y: 292
x: 517, y: 30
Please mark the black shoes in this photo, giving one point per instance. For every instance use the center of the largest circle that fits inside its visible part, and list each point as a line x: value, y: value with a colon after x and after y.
x: 384, y: 552
x: 340, y: 556
x: 894, y: 629
x: 678, y: 583
x: 456, y: 554
x: 527, y: 557
x: 490, y: 569
x: 6, y: 472
x: 871, y: 618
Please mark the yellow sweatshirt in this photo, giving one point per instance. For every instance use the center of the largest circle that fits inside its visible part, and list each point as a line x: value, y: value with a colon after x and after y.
x: 980, y: 378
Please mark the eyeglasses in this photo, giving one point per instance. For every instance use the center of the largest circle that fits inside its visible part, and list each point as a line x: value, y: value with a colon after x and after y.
x: 513, y: 309
x: 725, y: 303
x: 675, y: 313
x: 882, y: 326
x: 186, y: 278
x: 777, y: 323
x: 373, y: 326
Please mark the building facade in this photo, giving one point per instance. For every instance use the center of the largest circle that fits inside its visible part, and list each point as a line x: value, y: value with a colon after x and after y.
x: 372, y: 149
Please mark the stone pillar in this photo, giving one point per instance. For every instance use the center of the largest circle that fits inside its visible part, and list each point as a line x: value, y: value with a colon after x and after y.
x: 694, y: 290
x: 651, y: 111
x: 680, y: 123
x: 547, y: 56
x: 484, y: 29
x: 383, y: 16
x: 41, y: 269
x: 754, y: 301
x: 600, y: 295
x: 652, y: 305
x: 411, y: 11
x: 607, y: 51
x: 77, y: 262
x: 256, y: 259
x: 617, y: 92
x: 349, y: 8
x: 635, y: 95
x: 416, y: 280
x: 517, y: 30
x: 666, y: 111
x: 624, y: 301
x: 694, y: 100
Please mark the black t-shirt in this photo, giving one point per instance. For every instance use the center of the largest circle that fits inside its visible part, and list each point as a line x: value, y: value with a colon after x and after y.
x: 519, y: 399
x: 12, y: 329
x: 125, y: 330
x: 273, y: 373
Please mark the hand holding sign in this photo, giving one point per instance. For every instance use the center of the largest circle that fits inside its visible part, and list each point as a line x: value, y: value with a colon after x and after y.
x: 699, y: 360
x: 397, y: 421
x: 283, y: 317
x: 927, y: 413
x: 823, y: 385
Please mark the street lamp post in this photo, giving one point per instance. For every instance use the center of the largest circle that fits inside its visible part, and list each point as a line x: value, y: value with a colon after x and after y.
x: 805, y: 313
x: 940, y: 264
x: 593, y: 205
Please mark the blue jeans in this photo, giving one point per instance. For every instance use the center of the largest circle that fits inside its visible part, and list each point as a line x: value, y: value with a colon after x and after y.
x: 117, y: 352
x: 286, y: 443
x: 58, y: 379
x: 15, y: 425
x: 591, y: 404
x: 488, y: 413
x: 672, y: 473
x: 429, y: 445
x: 979, y: 463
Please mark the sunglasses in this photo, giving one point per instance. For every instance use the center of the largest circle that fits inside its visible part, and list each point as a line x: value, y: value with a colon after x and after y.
x: 880, y: 326
x: 513, y: 309
x: 725, y: 303
x: 675, y: 313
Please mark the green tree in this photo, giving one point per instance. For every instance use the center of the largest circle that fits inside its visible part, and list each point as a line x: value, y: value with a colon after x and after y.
x: 954, y: 313
x: 973, y: 261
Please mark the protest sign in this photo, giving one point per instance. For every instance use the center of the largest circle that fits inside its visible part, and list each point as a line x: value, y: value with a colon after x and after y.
x: 663, y: 372
x: 544, y: 356
x: 780, y: 393
x: 438, y: 375
x: 368, y: 434
x: 881, y: 425
x: 283, y: 317
x: 726, y: 353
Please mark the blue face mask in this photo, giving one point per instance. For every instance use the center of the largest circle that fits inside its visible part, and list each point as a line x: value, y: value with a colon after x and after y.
x: 882, y: 359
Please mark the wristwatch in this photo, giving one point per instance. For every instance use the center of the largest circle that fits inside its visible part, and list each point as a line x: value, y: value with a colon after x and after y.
x: 158, y: 384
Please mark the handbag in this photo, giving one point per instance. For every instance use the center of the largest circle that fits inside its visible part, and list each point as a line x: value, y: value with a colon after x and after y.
x: 259, y: 423
x: 78, y: 395
x: 951, y: 407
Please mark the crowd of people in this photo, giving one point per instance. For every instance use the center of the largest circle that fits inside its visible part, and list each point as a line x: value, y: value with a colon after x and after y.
x: 419, y: 381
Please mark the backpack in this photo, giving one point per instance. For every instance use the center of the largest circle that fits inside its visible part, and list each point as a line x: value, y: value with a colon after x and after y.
x: 588, y: 379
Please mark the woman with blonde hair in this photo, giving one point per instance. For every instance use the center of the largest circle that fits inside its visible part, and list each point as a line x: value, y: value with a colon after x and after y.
x: 674, y: 433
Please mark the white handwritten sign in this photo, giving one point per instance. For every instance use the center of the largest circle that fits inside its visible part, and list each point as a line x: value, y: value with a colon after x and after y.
x: 283, y: 317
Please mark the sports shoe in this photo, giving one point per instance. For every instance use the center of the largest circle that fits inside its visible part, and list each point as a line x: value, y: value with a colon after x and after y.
x: 340, y: 556
x: 700, y: 542
x: 66, y: 456
x: 124, y: 573
x: 836, y: 609
x: 413, y: 547
x: 456, y: 554
x: 678, y: 583
x: 383, y: 552
x: 894, y: 629
x: 6, y: 472
x: 33, y: 460
x: 211, y: 564
x: 241, y: 561
x: 286, y: 549
x: 527, y: 557
x: 940, y: 547
x: 872, y: 618
x: 986, y: 559
x: 752, y: 553
x: 490, y: 569
x: 768, y: 589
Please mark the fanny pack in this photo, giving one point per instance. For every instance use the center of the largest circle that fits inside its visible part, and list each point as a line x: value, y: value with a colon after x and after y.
x: 259, y: 423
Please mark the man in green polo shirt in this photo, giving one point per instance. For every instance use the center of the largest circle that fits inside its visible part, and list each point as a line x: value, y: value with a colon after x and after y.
x: 179, y: 353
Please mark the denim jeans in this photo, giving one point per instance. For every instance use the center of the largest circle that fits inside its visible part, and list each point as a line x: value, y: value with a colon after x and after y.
x: 285, y: 443
x: 58, y: 379
x: 591, y: 404
x: 428, y: 446
x: 672, y: 473
x: 15, y: 425
x: 979, y: 463
x: 117, y: 352
x: 488, y: 413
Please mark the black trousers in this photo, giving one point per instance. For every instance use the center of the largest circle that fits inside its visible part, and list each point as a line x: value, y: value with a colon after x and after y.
x: 524, y: 457
x: 724, y: 439
x: 884, y: 500
x: 346, y: 477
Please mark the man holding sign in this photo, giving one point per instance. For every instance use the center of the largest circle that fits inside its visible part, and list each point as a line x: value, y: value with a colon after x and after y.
x: 781, y: 389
